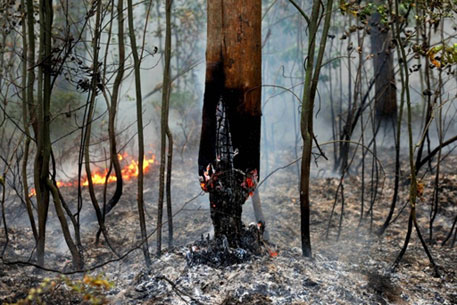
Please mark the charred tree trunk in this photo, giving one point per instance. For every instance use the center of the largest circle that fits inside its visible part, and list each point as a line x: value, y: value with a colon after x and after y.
x: 42, y: 158
x: 384, y: 74
x: 168, y: 131
x: 233, y: 80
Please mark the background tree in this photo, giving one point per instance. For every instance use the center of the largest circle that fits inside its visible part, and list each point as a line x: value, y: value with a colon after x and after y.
x: 312, y: 72
x: 383, y: 63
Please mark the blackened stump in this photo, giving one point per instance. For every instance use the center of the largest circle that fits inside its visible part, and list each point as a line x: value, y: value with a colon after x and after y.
x: 226, y: 202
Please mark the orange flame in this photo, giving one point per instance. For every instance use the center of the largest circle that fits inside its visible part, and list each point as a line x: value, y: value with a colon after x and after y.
x: 128, y: 172
x: 273, y: 253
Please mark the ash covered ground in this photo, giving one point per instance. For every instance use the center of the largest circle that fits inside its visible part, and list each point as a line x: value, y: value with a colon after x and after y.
x: 352, y: 270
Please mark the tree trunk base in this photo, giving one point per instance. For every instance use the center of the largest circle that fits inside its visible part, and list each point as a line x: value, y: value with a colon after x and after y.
x: 218, y: 253
x: 228, y: 191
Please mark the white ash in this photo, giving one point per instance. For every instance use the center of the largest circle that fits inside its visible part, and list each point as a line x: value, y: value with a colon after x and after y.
x: 286, y: 279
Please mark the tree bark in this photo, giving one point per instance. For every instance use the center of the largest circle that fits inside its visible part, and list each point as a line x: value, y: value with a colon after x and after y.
x: 233, y: 72
x: 41, y: 171
x: 165, y: 133
x: 113, y: 111
x: 168, y: 131
x: 233, y: 76
x: 385, y: 89
x: 139, y: 117
x: 413, y: 191
x: 312, y: 73
x: 88, y: 123
x: 77, y: 258
x: 27, y: 98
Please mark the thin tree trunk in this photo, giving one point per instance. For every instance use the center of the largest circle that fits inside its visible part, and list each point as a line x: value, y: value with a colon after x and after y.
x: 90, y: 115
x: 43, y: 154
x: 31, y: 65
x: 404, y: 74
x: 309, y: 93
x: 2, y: 202
x: 113, y: 111
x: 436, y: 189
x: 139, y: 117
x: 78, y: 262
x: 76, y: 225
x: 168, y: 131
x: 397, y: 135
x: 25, y: 112
x: 168, y: 187
x: 164, y: 131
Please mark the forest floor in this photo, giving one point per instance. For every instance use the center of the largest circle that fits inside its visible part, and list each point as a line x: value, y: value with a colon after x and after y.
x: 352, y: 269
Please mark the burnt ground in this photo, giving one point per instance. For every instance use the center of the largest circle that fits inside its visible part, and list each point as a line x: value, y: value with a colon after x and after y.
x: 355, y: 269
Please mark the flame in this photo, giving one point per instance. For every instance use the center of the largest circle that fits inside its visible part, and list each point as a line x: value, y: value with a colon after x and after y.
x: 128, y: 172
x: 273, y: 253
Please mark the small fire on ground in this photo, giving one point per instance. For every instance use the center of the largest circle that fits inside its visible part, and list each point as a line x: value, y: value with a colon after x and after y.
x: 129, y: 171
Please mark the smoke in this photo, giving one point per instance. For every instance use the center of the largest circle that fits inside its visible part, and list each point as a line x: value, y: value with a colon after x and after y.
x: 284, y: 47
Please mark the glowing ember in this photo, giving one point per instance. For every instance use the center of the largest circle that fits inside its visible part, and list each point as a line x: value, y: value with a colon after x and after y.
x: 273, y: 253
x: 129, y: 171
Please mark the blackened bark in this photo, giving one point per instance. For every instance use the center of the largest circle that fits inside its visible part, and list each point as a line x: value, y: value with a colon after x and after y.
x: 42, y: 158
x: 233, y: 77
x: 244, y: 128
x: 207, y: 152
x: 233, y: 73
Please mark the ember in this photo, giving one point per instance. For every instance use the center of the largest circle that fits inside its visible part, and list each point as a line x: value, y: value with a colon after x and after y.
x: 129, y: 172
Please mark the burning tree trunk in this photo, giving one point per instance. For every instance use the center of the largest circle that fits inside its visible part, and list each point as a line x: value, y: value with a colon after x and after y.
x: 384, y: 74
x: 230, y: 137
